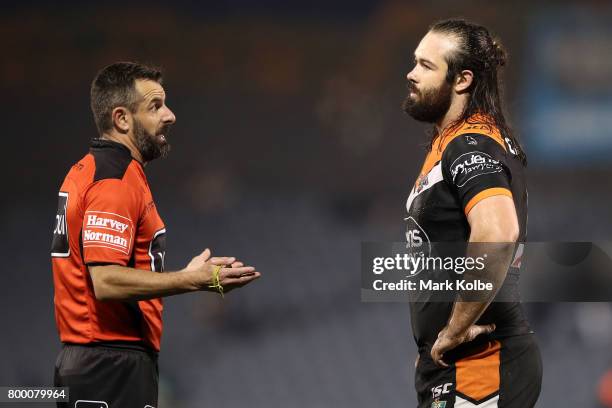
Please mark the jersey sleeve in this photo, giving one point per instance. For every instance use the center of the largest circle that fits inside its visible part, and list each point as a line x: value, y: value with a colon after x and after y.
x: 111, y: 210
x: 474, y: 165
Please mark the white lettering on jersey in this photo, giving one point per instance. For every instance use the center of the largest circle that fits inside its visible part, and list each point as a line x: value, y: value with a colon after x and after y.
x: 471, y: 165
x: 94, y: 220
x: 107, y: 230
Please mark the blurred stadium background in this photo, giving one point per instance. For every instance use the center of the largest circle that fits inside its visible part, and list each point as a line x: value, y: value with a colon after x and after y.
x: 290, y: 149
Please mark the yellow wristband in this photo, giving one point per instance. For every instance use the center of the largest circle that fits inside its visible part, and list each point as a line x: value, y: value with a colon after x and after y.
x: 216, y: 285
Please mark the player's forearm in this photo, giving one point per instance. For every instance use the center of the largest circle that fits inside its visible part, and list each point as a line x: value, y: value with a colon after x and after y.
x: 464, y: 315
x: 114, y: 282
x: 469, y: 306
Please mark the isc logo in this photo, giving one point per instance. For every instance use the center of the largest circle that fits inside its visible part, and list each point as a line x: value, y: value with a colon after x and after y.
x: 413, y: 238
x: 441, y: 389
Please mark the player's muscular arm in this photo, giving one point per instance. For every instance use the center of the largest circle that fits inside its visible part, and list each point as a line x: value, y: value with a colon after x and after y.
x: 115, y: 282
x: 492, y: 221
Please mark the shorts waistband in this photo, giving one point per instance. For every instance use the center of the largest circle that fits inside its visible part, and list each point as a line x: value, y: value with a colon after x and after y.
x: 118, y: 345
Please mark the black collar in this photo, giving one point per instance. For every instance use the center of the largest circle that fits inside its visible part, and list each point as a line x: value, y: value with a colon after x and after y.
x: 99, y: 143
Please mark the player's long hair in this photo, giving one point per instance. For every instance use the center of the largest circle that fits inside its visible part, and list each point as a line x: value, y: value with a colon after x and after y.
x: 478, y: 52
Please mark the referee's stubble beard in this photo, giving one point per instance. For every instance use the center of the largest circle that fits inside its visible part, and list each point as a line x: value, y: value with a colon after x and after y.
x: 151, y: 145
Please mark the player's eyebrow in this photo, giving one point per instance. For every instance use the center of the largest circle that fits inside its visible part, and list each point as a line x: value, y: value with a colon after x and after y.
x: 426, y: 61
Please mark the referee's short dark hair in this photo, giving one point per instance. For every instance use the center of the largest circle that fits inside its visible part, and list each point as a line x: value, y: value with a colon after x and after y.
x: 115, y: 85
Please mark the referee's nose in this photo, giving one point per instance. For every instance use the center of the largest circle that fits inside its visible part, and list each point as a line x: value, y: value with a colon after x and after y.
x: 169, y: 117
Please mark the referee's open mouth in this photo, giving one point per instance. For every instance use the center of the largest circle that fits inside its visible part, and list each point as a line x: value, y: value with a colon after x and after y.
x: 161, y: 134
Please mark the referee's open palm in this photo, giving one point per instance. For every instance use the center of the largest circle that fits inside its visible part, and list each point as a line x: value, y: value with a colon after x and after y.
x: 232, y: 274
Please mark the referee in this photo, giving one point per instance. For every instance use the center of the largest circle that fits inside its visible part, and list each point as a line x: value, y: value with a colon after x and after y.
x: 108, y: 249
x: 471, y: 188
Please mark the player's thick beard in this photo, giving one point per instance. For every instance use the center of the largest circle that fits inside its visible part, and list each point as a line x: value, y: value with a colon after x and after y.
x: 150, y: 145
x: 431, y: 105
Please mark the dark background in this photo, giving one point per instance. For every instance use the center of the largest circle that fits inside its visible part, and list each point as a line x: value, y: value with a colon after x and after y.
x: 290, y: 149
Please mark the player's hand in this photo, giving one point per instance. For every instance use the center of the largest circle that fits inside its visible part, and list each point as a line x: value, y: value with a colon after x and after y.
x: 446, y: 341
x: 232, y: 275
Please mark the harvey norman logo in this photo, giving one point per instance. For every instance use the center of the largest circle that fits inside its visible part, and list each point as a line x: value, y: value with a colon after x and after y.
x: 107, y: 230
x: 96, y: 221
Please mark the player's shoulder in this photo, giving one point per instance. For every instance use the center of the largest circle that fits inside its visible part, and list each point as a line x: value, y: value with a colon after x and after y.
x: 476, y: 133
x: 472, y: 147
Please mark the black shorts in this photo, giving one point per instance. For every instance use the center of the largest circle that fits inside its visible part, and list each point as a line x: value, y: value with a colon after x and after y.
x: 503, y: 373
x: 113, y: 376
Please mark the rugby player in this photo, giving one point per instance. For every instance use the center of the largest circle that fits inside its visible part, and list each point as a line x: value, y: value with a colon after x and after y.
x: 108, y: 249
x: 471, y: 188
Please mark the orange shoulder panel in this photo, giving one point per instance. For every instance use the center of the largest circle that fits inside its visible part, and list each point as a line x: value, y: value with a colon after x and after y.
x: 475, y: 124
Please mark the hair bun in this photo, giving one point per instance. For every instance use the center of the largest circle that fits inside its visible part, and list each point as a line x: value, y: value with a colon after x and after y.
x: 499, y: 54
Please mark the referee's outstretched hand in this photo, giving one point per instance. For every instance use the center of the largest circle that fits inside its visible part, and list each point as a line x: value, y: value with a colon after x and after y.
x: 447, y: 342
x: 232, y: 275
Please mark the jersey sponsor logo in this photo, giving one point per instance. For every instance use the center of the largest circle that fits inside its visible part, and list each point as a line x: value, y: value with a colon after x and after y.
x: 471, y: 165
x: 89, y: 235
x: 470, y: 140
x: 107, y: 230
x: 439, y: 390
x: 60, y: 247
x: 96, y: 221
x: 417, y: 242
x: 424, y: 183
x: 421, y: 183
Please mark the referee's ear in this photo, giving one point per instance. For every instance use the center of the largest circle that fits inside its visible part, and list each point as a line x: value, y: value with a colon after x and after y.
x: 120, y: 117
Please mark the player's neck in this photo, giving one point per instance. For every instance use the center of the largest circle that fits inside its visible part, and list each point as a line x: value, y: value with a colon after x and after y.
x: 128, y: 141
x: 453, y: 114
